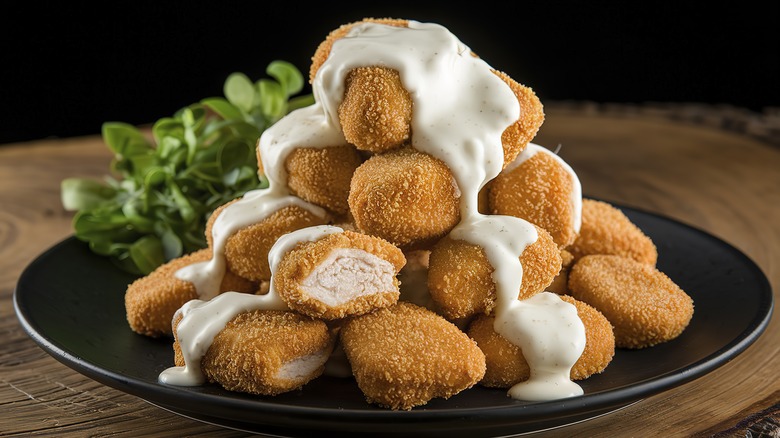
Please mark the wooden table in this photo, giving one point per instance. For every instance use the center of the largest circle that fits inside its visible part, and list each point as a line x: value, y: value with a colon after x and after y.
x: 721, y: 173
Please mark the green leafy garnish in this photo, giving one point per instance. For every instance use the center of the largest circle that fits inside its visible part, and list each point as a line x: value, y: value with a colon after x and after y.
x: 164, y: 184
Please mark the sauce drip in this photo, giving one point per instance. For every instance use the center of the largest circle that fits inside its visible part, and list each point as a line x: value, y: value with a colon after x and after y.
x: 202, y: 320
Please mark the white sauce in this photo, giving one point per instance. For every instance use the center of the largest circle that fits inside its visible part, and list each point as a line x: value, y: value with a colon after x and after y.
x: 461, y: 108
x: 203, y: 320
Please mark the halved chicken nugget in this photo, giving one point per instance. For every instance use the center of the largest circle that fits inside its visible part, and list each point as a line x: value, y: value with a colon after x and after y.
x: 340, y: 275
x: 266, y: 352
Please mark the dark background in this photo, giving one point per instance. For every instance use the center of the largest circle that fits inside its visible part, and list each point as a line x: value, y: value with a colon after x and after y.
x: 69, y: 66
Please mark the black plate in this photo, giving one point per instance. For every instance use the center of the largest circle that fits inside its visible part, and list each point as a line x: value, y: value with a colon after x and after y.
x: 71, y: 302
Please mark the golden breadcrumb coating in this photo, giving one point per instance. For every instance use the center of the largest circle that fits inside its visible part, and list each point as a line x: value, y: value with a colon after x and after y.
x: 376, y: 111
x: 607, y: 230
x: 323, y: 50
x: 516, y: 137
x: 599, y: 341
x: 460, y: 277
x: 404, y: 196
x: 506, y: 365
x: 322, y: 175
x: 152, y: 300
x: 315, y: 279
x: 266, y: 352
x: 405, y: 355
x: 560, y: 284
x: 246, y: 251
x: 643, y: 304
x: 539, y: 190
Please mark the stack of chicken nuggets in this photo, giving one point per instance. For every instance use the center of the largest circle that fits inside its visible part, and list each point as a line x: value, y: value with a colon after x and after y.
x: 395, y: 207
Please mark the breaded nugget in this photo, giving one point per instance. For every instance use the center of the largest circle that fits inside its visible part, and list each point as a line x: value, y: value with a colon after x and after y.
x: 643, y: 304
x: 152, y: 300
x: 516, y: 137
x: 376, y: 115
x: 322, y: 175
x: 560, y: 284
x: 538, y: 190
x: 266, y: 352
x: 246, y: 251
x: 405, y: 355
x: 460, y: 276
x: 607, y: 230
x: 404, y: 196
x: 599, y: 340
x: 340, y: 275
x: 323, y: 50
x: 506, y: 365
x: 376, y: 111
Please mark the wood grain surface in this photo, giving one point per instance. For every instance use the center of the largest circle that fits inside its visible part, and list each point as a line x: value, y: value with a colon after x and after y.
x: 723, y: 182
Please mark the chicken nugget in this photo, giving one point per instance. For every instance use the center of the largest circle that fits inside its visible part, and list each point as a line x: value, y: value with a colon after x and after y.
x: 376, y: 111
x: 643, y: 304
x: 266, y: 352
x: 407, y: 197
x: 322, y: 175
x: 460, y: 276
x: 506, y: 365
x: 246, y: 251
x: 516, y: 137
x: 405, y: 355
x: 152, y: 300
x: 540, y: 188
x: 560, y: 284
x: 607, y: 230
x: 340, y: 275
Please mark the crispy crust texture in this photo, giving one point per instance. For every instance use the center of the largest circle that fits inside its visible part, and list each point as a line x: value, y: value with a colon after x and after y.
x: 516, y: 137
x: 405, y: 355
x: 643, y: 304
x: 507, y: 366
x: 260, y: 352
x: 539, y: 191
x: 152, y: 300
x: 607, y: 230
x: 322, y: 176
x: 460, y: 276
x: 407, y: 197
x: 376, y: 112
x: 299, y: 267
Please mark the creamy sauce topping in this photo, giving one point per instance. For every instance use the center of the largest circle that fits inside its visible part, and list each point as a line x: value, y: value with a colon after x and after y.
x: 202, y: 320
x: 460, y: 110
x: 460, y: 107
